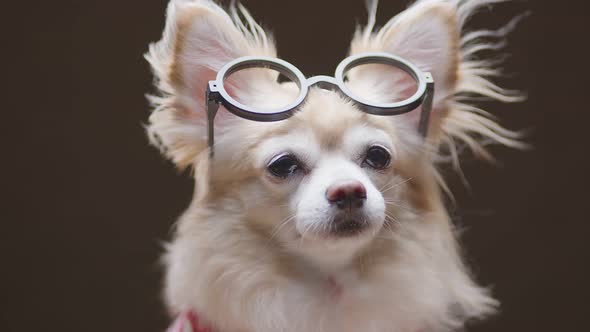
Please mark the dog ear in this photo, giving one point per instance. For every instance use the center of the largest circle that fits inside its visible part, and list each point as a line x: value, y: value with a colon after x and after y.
x: 199, y: 38
x: 432, y: 34
x: 426, y: 35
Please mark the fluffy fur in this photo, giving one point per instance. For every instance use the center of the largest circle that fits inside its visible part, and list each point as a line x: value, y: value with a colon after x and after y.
x: 251, y: 252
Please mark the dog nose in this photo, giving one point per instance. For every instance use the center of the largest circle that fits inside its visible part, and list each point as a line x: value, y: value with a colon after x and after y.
x: 347, y: 194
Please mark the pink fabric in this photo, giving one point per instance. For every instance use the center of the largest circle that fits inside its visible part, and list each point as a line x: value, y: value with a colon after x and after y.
x: 187, y: 321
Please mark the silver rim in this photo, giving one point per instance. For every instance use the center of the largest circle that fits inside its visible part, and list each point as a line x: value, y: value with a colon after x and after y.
x: 388, y: 59
x: 279, y: 65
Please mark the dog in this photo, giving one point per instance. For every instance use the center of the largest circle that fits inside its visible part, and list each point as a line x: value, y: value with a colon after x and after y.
x: 332, y: 219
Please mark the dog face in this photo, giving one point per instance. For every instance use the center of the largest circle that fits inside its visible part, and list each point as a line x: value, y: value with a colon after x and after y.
x: 329, y: 173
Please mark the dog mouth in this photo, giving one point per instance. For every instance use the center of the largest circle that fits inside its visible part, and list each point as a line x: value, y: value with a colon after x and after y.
x: 348, y: 227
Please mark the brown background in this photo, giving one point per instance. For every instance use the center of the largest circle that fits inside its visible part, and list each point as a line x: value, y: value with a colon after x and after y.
x: 87, y: 204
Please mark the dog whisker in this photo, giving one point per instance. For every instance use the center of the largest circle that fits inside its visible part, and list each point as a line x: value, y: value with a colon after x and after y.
x: 403, y: 207
x: 395, y: 185
x: 391, y: 218
x: 278, y: 228
x: 306, y: 229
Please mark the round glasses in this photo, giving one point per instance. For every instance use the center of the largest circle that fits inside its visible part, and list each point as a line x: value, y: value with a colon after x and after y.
x: 415, y: 86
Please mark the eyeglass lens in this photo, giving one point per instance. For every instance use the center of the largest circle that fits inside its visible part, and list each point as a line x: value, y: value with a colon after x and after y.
x: 261, y: 88
x: 380, y: 83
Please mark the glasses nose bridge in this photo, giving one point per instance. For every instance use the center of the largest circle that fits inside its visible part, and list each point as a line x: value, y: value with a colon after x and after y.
x: 324, y: 82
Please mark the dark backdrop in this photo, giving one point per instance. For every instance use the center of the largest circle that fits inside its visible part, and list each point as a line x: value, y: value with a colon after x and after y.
x: 87, y: 204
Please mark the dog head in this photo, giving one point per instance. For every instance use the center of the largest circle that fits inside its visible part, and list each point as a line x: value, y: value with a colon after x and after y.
x: 327, y: 181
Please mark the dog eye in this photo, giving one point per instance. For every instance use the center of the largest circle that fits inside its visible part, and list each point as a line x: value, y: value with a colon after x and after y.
x: 377, y: 157
x: 284, y: 166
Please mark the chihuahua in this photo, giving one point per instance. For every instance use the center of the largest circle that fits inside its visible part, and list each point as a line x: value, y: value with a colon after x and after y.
x: 332, y: 218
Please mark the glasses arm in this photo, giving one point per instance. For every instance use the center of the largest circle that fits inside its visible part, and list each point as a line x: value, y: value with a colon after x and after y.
x: 212, y: 105
x: 426, y: 106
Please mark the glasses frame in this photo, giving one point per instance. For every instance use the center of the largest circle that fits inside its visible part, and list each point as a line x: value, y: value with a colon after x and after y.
x: 216, y: 93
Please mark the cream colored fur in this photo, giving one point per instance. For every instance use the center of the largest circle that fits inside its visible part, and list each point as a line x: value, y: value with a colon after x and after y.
x: 249, y: 254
